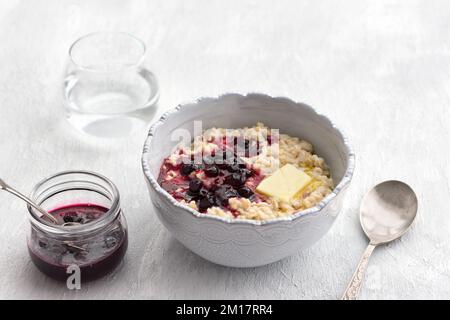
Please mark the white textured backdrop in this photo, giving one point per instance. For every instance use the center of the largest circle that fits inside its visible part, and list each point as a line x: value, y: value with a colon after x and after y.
x: 380, y: 69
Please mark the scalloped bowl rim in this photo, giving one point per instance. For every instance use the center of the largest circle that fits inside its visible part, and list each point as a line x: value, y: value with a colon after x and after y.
x: 345, y: 181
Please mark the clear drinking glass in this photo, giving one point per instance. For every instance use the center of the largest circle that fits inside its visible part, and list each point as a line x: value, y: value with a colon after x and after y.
x: 108, y: 90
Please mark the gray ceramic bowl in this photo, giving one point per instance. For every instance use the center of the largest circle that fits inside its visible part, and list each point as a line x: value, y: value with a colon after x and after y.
x: 246, y: 243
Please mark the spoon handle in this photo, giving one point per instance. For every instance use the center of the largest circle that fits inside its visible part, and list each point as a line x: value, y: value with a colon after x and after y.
x: 6, y: 187
x: 354, y: 287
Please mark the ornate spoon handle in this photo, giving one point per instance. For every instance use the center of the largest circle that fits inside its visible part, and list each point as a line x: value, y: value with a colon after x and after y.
x: 354, y: 287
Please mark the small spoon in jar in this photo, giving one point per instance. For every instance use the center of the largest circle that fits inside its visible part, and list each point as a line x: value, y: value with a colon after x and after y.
x: 6, y: 187
x: 387, y: 211
x: 45, y: 214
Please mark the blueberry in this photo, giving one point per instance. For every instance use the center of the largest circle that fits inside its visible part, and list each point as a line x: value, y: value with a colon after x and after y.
x: 43, y: 243
x: 245, y: 192
x: 235, y: 179
x: 186, y: 169
x: 69, y: 218
x: 212, y: 171
x: 223, y: 193
x: 72, y: 217
x: 110, y: 242
x: 205, y: 203
x: 203, y: 192
x: 195, y: 185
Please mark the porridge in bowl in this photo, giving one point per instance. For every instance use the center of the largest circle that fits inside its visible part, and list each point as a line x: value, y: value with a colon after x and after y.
x: 251, y: 173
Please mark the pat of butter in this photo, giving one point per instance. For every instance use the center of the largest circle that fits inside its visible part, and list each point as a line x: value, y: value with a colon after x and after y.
x: 285, y: 183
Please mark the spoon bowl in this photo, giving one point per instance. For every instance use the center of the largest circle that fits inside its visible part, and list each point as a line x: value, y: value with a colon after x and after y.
x: 387, y: 211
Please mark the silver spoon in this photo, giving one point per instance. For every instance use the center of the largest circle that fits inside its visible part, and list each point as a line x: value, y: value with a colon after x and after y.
x: 387, y: 211
x: 6, y: 187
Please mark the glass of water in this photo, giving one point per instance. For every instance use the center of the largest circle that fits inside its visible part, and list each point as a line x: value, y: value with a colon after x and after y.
x: 107, y: 89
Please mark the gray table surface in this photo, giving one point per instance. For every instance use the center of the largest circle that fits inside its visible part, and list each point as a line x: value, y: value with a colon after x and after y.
x: 380, y: 69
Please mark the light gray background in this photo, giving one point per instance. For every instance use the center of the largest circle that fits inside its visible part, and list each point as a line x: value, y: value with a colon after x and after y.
x: 380, y: 69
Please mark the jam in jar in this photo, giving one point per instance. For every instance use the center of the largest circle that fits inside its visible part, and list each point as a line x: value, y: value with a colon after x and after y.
x: 91, y: 233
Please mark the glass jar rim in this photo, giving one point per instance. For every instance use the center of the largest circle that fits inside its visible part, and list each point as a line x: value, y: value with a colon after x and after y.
x: 111, y: 33
x: 105, y: 220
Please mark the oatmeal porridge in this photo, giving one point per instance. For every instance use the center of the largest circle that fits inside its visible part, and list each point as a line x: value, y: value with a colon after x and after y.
x: 249, y: 173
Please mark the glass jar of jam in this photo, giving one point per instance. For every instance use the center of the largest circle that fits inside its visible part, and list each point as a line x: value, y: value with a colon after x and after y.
x: 91, y: 233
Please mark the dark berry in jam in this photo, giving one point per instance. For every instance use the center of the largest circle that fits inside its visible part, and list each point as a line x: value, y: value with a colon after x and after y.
x: 187, y: 168
x: 73, y: 216
x: 95, y: 255
x: 68, y: 218
x: 81, y: 214
x: 211, y: 171
x: 43, y: 243
x: 195, y: 185
x: 203, y: 192
x: 223, y: 193
x: 235, y: 179
x: 110, y: 242
x: 226, y: 175
x: 245, y: 192
x: 205, y: 203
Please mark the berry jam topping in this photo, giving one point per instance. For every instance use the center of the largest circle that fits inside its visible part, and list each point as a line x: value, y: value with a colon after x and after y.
x: 186, y: 169
x: 80, y: 213
x: 72, y: 217
x: 195, y: 185
x: 223, y: 194
x: 95, y: 255
x: 220, y: 176
x: 236, y: 179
